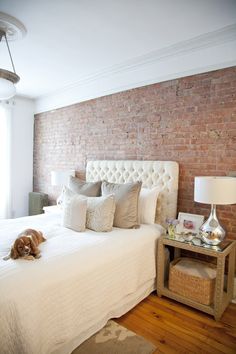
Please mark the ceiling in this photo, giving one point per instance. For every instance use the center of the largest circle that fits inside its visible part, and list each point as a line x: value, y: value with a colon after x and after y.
x: 71, y: 44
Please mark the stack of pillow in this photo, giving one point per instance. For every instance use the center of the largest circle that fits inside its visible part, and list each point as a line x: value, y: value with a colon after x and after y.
x: 100, y: 205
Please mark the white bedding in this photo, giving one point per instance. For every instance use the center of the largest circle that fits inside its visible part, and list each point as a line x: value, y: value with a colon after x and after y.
x: 83, y: 279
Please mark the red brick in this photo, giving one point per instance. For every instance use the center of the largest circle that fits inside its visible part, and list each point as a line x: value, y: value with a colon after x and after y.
x: 191, y: 120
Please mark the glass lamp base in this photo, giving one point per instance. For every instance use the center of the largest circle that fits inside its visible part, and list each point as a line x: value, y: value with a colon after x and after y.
x: 211, y: 231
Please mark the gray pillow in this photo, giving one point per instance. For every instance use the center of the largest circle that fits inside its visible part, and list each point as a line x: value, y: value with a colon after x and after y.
x: 126, y: 198
x: 90, y: 189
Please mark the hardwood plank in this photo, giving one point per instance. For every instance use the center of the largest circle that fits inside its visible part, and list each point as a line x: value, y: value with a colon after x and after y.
x: 184, y: 336
x: 201, y: 325
x: 168, y: 330
x: 176, y: 328
x: 166, y: 341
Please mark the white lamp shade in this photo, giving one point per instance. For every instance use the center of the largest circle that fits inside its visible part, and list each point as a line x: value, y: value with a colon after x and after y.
x: 7, y: 89
x: 215, y: 190
x: 60, y: 178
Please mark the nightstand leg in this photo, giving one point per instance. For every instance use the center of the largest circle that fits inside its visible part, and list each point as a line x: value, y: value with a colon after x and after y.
x: 230, y: 278
x: 219, y: 288
x: 160, y: 267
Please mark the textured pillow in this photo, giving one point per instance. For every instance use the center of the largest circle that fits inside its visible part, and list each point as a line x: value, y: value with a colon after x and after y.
x: 126, y: 198
x: 90, y: 189
x: 147, y: 205
x: 74, y: 212
x: 100, y: 210
x: 100, y: 213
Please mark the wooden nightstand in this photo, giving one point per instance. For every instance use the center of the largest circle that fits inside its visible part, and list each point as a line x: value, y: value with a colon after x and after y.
x: 52, y: 209
x: 222, y: 296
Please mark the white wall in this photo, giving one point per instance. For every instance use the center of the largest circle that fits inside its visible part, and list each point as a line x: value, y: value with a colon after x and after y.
x: 22, y: 155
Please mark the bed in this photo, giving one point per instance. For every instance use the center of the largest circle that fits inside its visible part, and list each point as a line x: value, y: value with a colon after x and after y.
x: 83, y: 279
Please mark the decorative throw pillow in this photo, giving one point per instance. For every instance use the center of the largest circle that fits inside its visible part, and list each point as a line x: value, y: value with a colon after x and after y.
x: 126, y: 198
x: 74, y: 212
x: 65, y: 196
x: 100, y: 213
x: 147, y: 205
x: 90, y: 189
x: 100, y: 210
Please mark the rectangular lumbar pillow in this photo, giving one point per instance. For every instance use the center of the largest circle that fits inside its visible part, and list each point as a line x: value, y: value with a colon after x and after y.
x: 90, y: 189
x: 100, y: 213
x: 147, y: 205
x: 74, y: 212
x: 126, y: 198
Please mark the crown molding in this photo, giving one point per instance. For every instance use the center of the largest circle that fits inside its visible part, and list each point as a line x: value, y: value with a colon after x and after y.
x: 205, y: 41
x: 46, y: 105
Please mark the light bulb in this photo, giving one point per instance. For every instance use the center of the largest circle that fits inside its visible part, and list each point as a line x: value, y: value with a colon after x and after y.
x: 7, y: 89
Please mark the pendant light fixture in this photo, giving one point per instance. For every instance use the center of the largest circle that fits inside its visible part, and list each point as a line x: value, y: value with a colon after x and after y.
x: 10, y: 29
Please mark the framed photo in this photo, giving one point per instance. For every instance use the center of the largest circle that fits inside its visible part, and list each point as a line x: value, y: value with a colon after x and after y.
x: 189, y: 223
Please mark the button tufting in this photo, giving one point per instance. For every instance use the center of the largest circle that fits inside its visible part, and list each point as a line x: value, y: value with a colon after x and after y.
x: 156, y: 173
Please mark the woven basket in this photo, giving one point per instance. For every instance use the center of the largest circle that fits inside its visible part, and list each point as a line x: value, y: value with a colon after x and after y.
x: 200, y: 289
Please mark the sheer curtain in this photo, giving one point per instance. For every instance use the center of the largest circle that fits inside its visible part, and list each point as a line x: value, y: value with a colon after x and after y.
x: 5, y: 158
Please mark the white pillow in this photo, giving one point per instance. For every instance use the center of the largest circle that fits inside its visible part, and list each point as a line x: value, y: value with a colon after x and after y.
x: 100, y: 210
x: 65, y: 195
x: 100, y: 213
x: 74, y: 213
x: 147, y: 205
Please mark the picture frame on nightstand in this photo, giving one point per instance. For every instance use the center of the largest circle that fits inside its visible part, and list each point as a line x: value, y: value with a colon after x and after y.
x: 189, y: 223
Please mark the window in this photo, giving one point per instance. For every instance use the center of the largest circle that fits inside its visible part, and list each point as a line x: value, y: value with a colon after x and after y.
x: 5, y: 161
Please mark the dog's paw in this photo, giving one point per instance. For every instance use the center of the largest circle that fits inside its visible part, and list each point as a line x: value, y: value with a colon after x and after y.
x: 6, y: 257
x: 29, y: 258
x: 38, y: 255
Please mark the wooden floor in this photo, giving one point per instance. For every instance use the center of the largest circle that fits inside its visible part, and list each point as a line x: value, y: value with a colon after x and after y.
x: 176, y: 328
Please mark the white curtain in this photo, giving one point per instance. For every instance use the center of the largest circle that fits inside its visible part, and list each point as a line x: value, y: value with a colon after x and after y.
x: 5, y: 158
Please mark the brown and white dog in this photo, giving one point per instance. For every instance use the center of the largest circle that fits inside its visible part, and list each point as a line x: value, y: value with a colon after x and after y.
x: 26, y: 245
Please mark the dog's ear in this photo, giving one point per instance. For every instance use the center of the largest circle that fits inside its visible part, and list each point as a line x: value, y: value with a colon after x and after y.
x: 14, y: 254
x: 42, y: 238
x: 33, y: 246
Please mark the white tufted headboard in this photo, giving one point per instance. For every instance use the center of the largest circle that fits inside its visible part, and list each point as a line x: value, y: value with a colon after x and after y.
x: 152, y: 173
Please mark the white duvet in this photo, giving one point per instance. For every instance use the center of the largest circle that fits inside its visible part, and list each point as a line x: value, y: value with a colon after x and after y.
x: 52, y: 304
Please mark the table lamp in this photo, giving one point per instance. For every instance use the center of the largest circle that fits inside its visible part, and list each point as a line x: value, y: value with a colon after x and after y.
x: 214, y: 190
x: 61, y: 178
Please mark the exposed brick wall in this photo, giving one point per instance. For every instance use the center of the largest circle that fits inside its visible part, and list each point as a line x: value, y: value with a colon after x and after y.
x: 191, y: 120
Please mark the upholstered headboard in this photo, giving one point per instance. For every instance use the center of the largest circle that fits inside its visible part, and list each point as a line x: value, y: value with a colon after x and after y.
x: 152, y: 173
